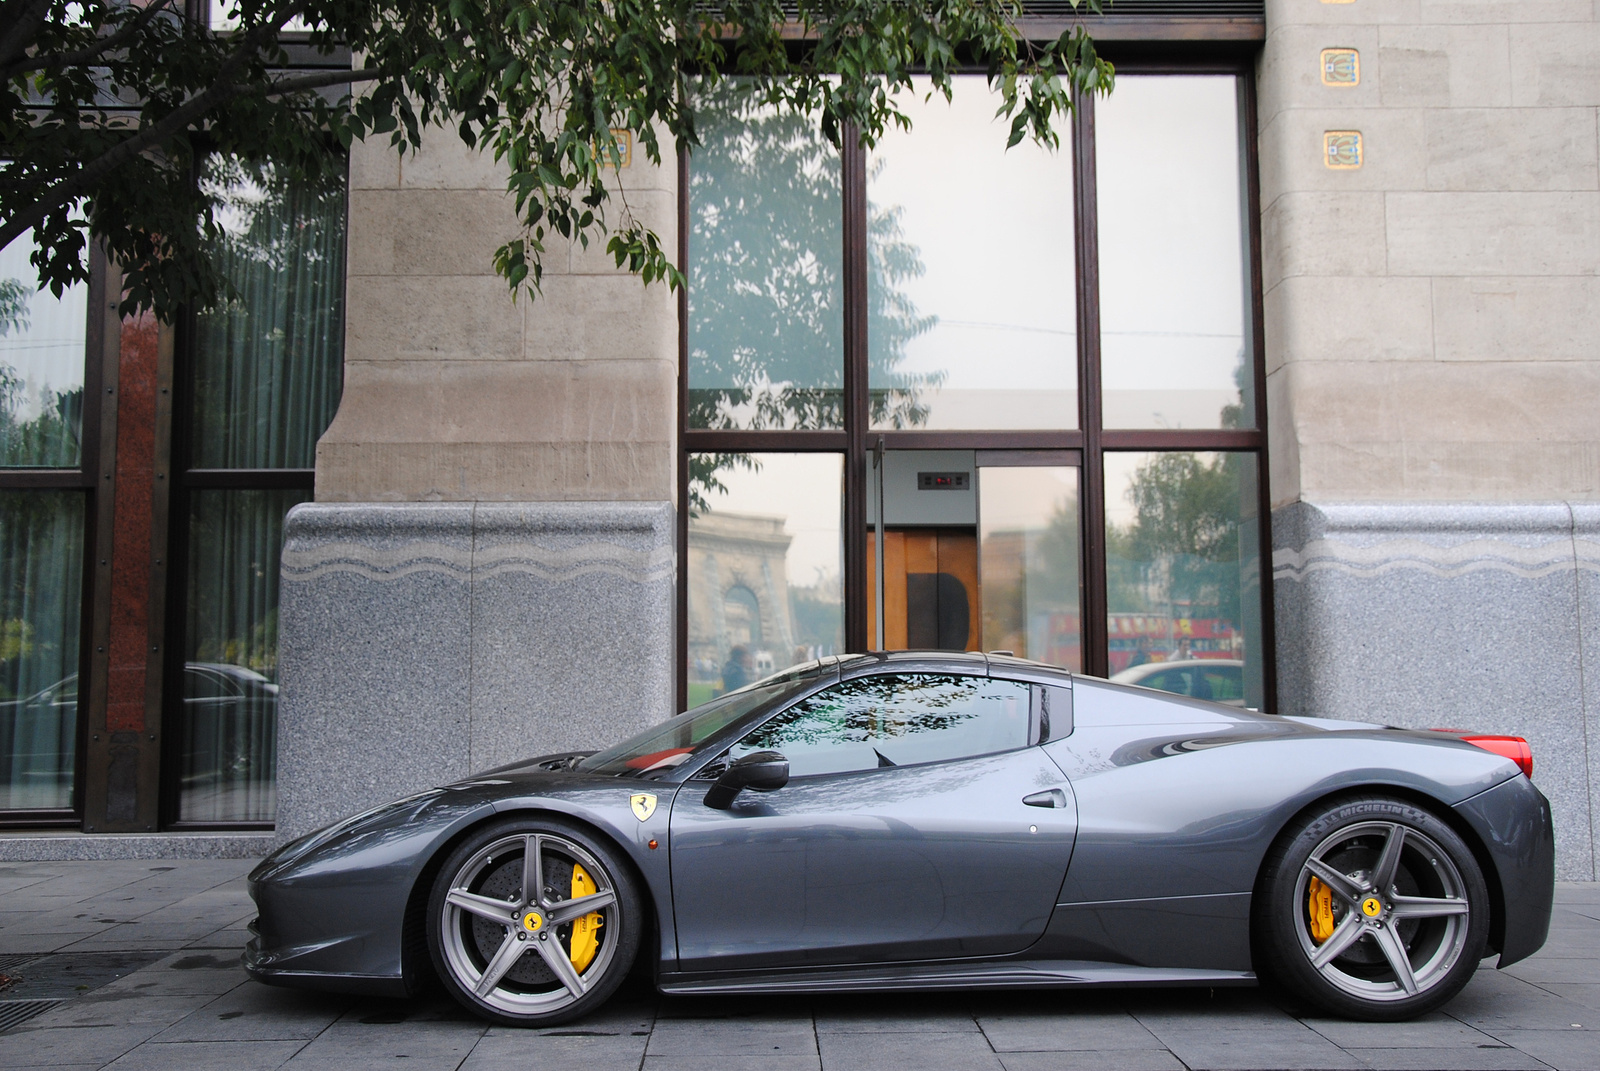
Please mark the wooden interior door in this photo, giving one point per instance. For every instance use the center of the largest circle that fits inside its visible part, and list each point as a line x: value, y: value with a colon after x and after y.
x: 930, y: 588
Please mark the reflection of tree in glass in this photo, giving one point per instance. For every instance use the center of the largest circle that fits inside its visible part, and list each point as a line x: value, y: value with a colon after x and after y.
x: 1183, y: 545
x: 49, y: 439
x: 873, y: 708
x: 1233, y: 414
x: 766, y: 263
x: 15, y: 297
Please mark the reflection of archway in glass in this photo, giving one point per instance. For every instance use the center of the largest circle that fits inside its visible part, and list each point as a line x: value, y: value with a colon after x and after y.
x: 741, y: 616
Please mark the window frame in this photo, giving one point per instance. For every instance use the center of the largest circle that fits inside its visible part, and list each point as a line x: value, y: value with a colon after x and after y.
x: 1089, y: 441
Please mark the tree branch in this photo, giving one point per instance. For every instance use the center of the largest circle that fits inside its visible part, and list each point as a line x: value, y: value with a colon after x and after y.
x: 79, y: 184
x: 84, y: 55
x: 316, y: 81
x: 22, y: 32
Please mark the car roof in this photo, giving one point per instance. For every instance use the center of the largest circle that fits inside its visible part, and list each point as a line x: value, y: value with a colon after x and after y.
x: 968, y: 662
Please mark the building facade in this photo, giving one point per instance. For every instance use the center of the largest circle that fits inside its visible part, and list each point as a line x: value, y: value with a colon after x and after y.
x: 1275, y: 384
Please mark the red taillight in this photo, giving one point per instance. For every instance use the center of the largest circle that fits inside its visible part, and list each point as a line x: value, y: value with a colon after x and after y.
x: 1512, y: 747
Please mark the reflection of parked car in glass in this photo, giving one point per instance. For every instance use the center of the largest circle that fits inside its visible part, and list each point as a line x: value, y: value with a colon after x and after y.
x: 1220, y: 680
x: 230, y: 722
x: 38, y: 735
x: 229, y: 735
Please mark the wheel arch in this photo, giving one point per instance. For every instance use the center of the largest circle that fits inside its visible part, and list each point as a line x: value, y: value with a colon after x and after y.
x: 1434, y: 806
x: 416, y: 964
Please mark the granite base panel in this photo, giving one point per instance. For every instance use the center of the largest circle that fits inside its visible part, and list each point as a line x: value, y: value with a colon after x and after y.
x: 1452, y: 615
x: 68, y: 847
x: 421, y: 642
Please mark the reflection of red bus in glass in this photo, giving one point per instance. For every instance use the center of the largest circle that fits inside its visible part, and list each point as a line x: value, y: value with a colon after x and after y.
x: 1137, y: 638
x: 1055, y: 638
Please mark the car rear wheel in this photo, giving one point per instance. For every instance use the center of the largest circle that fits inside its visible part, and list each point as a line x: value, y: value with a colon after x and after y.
x: 533, y: 922
x: 1372, y: 909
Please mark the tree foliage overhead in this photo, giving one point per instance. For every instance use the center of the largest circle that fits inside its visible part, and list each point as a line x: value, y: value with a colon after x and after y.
x: 107, y: 106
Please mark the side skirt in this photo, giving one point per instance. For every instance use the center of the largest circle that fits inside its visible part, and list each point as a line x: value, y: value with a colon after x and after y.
x: 1015, y: 974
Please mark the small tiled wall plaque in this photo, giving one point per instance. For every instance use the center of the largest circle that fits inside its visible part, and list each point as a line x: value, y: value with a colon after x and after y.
x: 1341, y: 67
x: 1341, y: 149
x: 622, y: 145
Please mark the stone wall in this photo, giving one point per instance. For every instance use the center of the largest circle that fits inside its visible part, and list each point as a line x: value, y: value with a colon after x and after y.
x: 487, y: 572
x: 456, y: 392
x: 1432, y: 315
x: 1433, y: 370
x: 421, y: 642
x: 1477, y: 616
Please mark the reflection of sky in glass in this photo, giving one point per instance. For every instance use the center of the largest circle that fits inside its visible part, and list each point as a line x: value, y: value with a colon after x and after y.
x: 1172, y: 299
x: 804, y: 489
x: 47, y: 354
x: 995, y: 234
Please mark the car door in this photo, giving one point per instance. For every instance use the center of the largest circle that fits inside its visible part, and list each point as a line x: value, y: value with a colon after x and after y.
x: 902, y: 834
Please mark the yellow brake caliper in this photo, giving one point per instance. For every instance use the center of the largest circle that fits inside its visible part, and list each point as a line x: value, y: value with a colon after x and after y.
x: 585, y: 941
x: 1321, y: 908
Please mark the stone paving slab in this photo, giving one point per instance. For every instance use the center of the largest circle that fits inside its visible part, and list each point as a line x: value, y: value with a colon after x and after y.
x: 157, y: 944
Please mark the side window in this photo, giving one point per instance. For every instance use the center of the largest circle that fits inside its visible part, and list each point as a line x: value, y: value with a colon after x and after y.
x: 1225, y: 683
x: 895, y: 720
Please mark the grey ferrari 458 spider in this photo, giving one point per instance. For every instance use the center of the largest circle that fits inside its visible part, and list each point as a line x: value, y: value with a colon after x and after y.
x: 934, y: 821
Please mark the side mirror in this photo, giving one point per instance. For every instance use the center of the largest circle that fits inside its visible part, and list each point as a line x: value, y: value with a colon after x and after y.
x: 761, y: 771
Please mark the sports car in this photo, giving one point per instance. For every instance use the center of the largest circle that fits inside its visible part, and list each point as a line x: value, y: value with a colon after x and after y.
x: 917, y: 821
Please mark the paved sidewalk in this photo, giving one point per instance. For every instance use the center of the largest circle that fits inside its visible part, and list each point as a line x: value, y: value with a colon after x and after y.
x: 143, y: 960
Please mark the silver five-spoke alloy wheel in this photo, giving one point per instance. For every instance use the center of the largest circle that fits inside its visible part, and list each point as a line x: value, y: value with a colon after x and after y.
x: 1371, y: 907
x: 1376, y: 924
x: 529, y: 921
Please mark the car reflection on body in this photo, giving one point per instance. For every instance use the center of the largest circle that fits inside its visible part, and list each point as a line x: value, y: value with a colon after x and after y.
x: 934, y: 821
x: 1220, y: 680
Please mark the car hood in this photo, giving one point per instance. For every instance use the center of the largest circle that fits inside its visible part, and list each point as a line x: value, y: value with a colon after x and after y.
x: 555, y: 762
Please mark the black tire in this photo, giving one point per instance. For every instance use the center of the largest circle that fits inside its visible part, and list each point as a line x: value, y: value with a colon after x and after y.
x: 1432, y: 915
x: 565, y: 967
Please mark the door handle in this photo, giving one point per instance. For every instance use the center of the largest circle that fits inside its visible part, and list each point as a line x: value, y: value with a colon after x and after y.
x: 1050, y: 797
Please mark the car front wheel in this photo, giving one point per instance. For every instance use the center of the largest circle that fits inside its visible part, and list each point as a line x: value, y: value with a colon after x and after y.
x: 533, y: 922
x: 1372, y: 909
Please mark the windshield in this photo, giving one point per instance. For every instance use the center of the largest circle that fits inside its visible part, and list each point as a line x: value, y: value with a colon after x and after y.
x: 656, y: 751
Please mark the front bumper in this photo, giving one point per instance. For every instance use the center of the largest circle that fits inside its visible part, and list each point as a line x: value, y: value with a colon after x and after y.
x: 258, y: 965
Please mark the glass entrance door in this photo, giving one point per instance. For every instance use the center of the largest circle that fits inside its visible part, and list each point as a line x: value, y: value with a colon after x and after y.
x: 982, y: 551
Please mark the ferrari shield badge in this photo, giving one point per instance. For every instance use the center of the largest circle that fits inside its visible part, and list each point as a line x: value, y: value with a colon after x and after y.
x: 644, y: 805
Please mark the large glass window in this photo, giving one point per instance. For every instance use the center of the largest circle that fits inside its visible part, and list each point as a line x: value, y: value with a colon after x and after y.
x: 41, y: 576
x: 268, y: 363
x: 1174, y: 321
x: 1183, y: 565
x: 766, y: 308
x: 765, y: 562
x: 41, y: 366
x: 1077, y: 485
x: 972, y: 316
x: 230, y: 691
x: 42, y: 530
x: 266, y: 368
x: 1028, y: 548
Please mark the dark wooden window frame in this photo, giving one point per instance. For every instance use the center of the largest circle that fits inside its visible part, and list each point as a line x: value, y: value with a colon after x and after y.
x: 1092, y: 441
